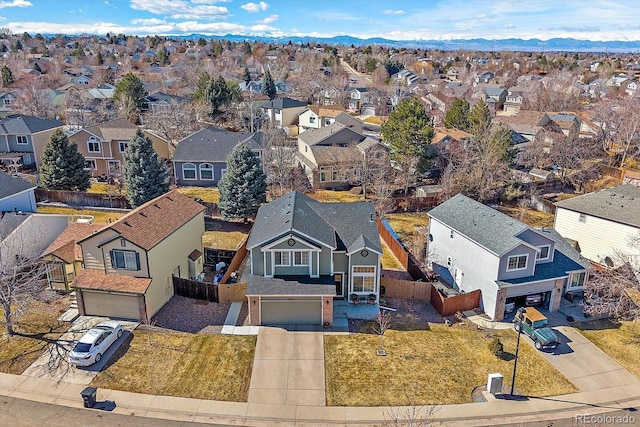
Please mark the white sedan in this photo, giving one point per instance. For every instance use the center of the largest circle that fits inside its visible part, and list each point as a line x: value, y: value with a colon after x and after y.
x: 92, y: 346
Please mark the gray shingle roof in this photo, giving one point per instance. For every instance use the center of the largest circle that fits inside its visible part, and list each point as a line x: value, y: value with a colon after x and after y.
x: 259, y: 285
x: 338, y: 225
x: 213, y: 144
x: 284, y: 103
x: 19, y: 124
x: 316, y: 136
x: 10, y: 185
x: 9, y: 221
x: 620, y: 204
x: 486, y: 226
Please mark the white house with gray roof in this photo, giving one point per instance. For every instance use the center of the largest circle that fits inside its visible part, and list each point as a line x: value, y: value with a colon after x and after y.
x: 16, y: 194
x: 304, y: 253
x: 602, y: 223
x: 474, y: 246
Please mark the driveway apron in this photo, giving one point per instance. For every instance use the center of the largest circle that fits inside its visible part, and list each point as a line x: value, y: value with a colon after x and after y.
x: 288, y: 368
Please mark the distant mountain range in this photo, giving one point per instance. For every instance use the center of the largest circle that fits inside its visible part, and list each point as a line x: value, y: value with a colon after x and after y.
x: 531, y: 45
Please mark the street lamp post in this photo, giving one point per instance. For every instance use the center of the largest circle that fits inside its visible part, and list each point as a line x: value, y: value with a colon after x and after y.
x: 519, y: 314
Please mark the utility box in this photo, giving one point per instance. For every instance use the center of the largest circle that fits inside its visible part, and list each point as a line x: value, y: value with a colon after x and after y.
x: 494, y: 384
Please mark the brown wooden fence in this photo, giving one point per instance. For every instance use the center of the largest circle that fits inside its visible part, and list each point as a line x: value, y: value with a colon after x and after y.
x: 406, y: 289
x: 77, y: 198
x: 616, y: 173
x: 447, y: 306
x: 393, y: 244
x: 236, y: 262
x: 197, y: 290
x: 233, y: 292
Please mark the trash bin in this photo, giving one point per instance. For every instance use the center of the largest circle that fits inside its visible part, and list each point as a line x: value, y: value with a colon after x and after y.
x: 89, y: 396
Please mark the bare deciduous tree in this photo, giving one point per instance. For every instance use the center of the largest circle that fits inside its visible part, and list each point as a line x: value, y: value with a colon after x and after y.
x: 33, y: 99
x: 174, y: 123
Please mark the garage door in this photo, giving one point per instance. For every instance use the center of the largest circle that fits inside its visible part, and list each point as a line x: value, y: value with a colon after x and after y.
x: 291, y: 311
x: 111, y: 305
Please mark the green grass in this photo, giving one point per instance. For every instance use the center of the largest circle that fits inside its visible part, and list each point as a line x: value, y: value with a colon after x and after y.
x: 40, y: 319
x: 621, y: 341
x: 214, y: 367
x: 207, y: 194
x: 440, y: 365
x: 99, y: 217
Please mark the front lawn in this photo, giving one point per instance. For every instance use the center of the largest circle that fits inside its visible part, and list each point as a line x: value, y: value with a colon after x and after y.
x: 214, y: 367
x: 99, y: 217
x: 441, y: 365
x: 41, y: 320
x: 207, y: 194
x: 621, y: 341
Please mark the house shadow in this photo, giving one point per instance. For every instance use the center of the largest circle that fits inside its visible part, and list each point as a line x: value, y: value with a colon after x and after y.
x: 105, y: 405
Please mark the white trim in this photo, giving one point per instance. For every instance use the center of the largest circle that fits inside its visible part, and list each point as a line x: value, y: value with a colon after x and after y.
x: 363, y: 248
x: 290, y: 233
x: 93, y: 163
x: 93, y: 140
x: 195, y: 172
x: 514, y: 285
x: 200, y: 167
x: 288, y: 264
x: 526, y: 262
x: 120, y: 147
x: 353, y: 275
x: 284, y: 239
x: 18, y: 193
x: 540, y: 250
x: 26, y: 137
x: 119, y: 173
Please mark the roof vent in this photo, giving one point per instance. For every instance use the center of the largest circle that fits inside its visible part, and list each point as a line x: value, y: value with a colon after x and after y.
x: 170, y: 198
x: 156, y: 205
x: 142, y: 214
x: 127, y: 223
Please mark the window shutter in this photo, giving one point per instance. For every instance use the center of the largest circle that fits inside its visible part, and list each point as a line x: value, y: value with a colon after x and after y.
x: 137, y: 261
x: 113, y: 259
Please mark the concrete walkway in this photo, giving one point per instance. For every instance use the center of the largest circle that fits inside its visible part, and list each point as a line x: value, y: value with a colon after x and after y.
x: 230, y: 328
x: 288, y: 369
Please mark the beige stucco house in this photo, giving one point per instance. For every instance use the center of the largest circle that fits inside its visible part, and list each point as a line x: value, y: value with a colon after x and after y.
x: 129, y: 264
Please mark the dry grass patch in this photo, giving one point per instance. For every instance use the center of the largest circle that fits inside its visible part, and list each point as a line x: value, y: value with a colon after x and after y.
x: 621, y: 341
x: 99, y: 217
x: 389, y: 260
x: 405, y: 223
x: 215, y: 367
x: 531, y: 217
x: 335, y: 196
x: 378, y: 120
x: 228, y: 240
x: 104, y: 188
x: 18, y: 352
x: 441, y: 365
x: 207, y: 194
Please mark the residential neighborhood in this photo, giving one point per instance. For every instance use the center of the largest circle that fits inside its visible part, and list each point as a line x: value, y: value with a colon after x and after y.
x: 216, y: 230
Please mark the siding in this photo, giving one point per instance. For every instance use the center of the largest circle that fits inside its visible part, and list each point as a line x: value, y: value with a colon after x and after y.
x: 217, y: 174
x: 478, y: 266
x: 24, y: 201
x: 537, y: 240
x: 92, y: 254
x: 341, y: 264
x: 503, y: 274
x: 108, y: 263
x: 596, y: 236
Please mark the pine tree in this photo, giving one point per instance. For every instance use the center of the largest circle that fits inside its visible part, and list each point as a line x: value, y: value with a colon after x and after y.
x: 99, y: 58
x: 479, y: 119
x: 63, y: 167
x: 144, y: 174
x: 247, y: 75
x: 268, y: 86
x: 457, y: 116
x: 201, y: 86
x: 130, y: 87
x: 7, y: 76
x: 244, y: 185
x: 217, y: 94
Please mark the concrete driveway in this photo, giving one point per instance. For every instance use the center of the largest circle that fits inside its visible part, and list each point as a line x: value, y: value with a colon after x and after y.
x: 53, y: 364
x: 288, y: 368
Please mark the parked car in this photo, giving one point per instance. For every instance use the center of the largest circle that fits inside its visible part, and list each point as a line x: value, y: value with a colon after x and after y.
x: 534, y: 299
x: 91, y: 347
x: 536, y: 325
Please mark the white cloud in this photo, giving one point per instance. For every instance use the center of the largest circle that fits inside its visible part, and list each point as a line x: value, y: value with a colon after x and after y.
x: 149, y: 21
x: 393, y: 12
x: 15, y: 3
x: 181, y: 9
x: 255, y: 7
x: 270, y: 19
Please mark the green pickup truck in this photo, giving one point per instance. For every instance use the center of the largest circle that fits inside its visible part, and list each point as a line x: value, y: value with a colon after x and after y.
x: 536, y: 325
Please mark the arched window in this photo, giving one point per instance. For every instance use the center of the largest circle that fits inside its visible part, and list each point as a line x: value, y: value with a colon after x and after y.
x: 189, y: 171
x: 206, y: 171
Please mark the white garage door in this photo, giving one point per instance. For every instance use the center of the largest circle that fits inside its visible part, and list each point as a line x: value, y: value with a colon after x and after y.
x: 111, y: 305
x: 291, y: 311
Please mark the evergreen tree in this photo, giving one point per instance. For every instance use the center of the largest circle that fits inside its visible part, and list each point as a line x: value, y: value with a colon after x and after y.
x: 163, y: 57
x: 63, y: 166
x: 458, y: 115
x: 247, y: 75
x: 408, y: 131
x: 144, y: 174
x: 217, y: 94
x: 130, y: 87
x: 268, y: 86
x: 244, y: 185
x: 201, y: 87
x: 479, y: 119
x: 7, y: 76
x: 99, y: 58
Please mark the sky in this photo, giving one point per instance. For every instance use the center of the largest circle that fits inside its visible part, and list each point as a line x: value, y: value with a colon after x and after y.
x: 598, y: 20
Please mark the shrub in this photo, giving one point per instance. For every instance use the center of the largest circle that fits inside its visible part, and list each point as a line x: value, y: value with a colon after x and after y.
x: 496, y: 348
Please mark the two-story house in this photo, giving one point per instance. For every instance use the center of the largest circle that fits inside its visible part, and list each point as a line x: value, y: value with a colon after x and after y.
x: 304, y: 253
x: 21, y: 136
x: 201, y: 158
x: 603, y: 224
x: 317, y: 116
x: 358, y: 97
x: 474, y: 246
x: 129, y: 264
x: 103, y: 145
x: 283, y: 112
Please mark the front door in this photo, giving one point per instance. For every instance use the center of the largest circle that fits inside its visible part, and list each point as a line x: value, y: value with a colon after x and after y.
x: 338, y: 279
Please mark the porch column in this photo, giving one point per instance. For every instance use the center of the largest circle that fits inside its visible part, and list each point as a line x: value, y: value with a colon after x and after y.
x: 501, y: 299
x: 327, y: 310
x: 554, y: 305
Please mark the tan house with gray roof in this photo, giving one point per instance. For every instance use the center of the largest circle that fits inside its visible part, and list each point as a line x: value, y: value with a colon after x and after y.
x: 129, y: 265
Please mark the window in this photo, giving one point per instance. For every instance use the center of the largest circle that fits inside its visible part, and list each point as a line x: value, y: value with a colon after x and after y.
x: 90, y: 165
x: 222, y: 172
x: 543, y: 252
x: 189, y: 171
x: 325, y: 174
x: 206, y: 171
x: 300, y: 258
x: 23, y: 140
x: 282, y: 258
x: 93, y: 145
x: 125, y: 260
x: 582, y: 218
x: 517, y: 262
x: 312, y: 120
x: 122, y: 146
x: 56, y: 272
x: 577, y: 280
x: 363, y: 279
x: 328, y: 121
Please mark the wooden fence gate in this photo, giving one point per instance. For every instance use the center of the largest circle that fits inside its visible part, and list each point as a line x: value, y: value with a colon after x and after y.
x: 196, y: 290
